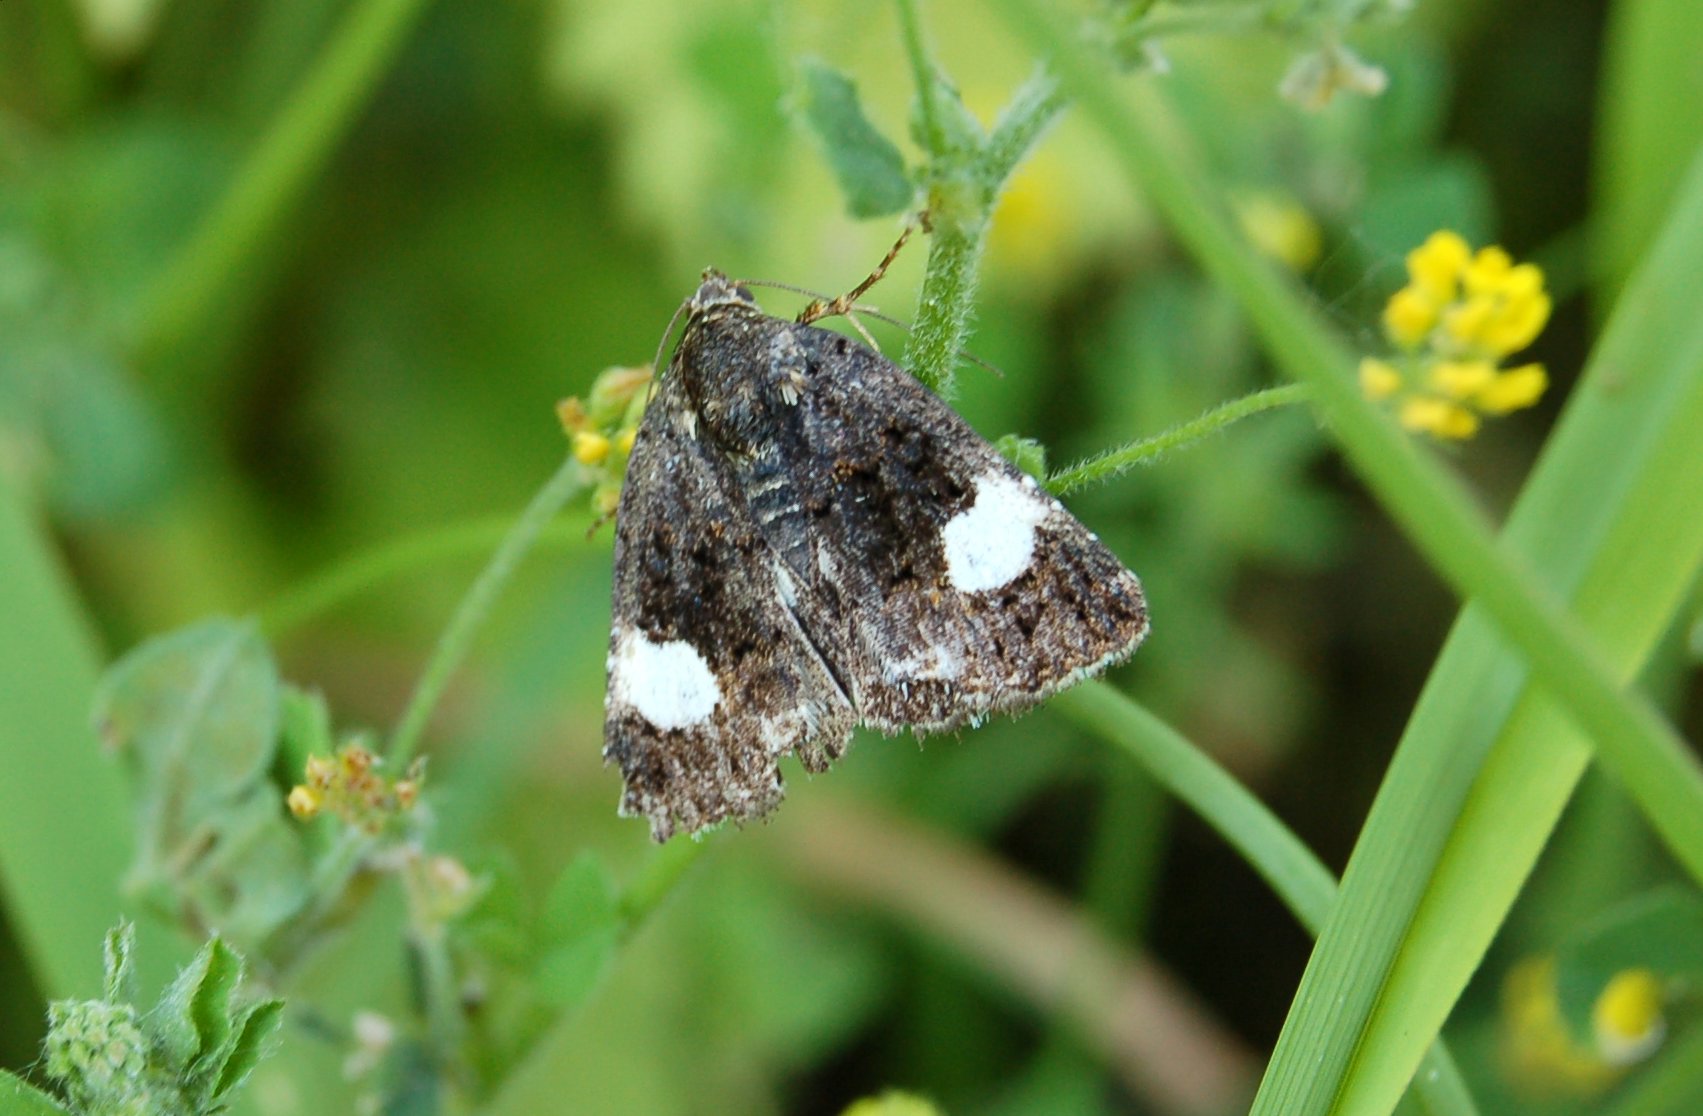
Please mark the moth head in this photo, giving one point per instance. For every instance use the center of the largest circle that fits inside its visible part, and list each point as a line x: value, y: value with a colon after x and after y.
x: 718, y: 290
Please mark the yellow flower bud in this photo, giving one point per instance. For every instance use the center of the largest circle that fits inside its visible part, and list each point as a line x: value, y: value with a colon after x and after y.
x: 571, y: 412
x: 1437, y: 417
x: 624, y: 440
x: 1517, y: 324
x: 304, y: 802
x: 590, y: 447
x: 320, y: 771
x: 1512, y: 390
x: 1461, y: 379
x: 1436, y: 265
x: 1379, y: 379
x: 1464, y: 323
x: 1488, y: 271
x: 1409, y: 316
x: 1627, y: 1017
x: 1281, y: 228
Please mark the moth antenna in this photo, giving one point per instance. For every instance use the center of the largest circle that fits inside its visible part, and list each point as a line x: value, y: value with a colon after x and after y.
x: 861, y: 332
x: 597, y: 524
x: 820, y: 309
x: 869, y: 312
x: 656, y: 362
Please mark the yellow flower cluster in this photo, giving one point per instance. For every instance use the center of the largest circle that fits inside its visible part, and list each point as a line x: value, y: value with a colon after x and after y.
x: 1542, y: 1054
x: 1461, y: 313
x: 601, y: 428
x: 349, y: 786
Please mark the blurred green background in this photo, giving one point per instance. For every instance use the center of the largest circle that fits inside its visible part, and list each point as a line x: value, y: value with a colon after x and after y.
x: 196, y: 419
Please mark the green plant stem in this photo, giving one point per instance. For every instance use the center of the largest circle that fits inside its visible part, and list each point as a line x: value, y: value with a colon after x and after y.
x: 943, y: 308
x: 923, y: 74
x: 1434, y: 512
x: 665, y: 868
x: 1113, y: 462
x: 1300, y: 880
x: 275, y: 175
x: 1034, y: 107
x: 452, y: 646
x: 357, y: 575
x: 438, y: 987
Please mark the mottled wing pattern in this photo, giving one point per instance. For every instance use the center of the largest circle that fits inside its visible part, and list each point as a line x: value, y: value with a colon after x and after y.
x: 711, y: 677
x: 955, y: 584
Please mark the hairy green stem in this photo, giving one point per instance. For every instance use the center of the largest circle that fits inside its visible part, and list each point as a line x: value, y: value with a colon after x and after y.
x: 1106, y: 465
x: 1034, y: 107
x: 922, y: 75
x: 943, y: 308
x: 458, y: 636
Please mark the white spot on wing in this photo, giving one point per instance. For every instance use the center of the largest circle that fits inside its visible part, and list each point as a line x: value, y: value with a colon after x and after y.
x: 993, y: 541
x: 668, y: 684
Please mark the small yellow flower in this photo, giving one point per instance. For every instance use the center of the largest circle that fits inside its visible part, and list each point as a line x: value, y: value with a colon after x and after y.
x: 1461, y: 379
x: 1627, y: 1017
x: 1539, y: 1052
x: 320, y: 771
x: 1460, y: 314
x: 1410, y: 316
x: 624, y: 440
x: 1379, y: 379
x: 1513, y: 390
x: 1517, y: 323
x: 1487, y: 272
x: 590, y: 447
x: 1281, y: 228
x: 1435, y: 266
x: 304, y: 802
x: 351, y: 786
x: 1425, y: 414
x: 571, y: 413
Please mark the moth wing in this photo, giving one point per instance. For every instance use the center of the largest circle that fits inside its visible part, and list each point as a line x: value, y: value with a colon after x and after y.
x: 711, y: 677
x: 966, y: 587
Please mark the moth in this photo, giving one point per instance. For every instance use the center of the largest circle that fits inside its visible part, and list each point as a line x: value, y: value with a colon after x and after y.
x: 809, y: 540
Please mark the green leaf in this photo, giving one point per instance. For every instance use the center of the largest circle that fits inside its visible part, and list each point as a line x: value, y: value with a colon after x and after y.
x: 305, y: 729
x: 19, y: 1098
x: 866, y: 164
x: 582, y: 900
x: 253, y: 1028
x: 120, y: 965
x: 196, y: 713
x: 578, y: 932
x: 193, y: 1017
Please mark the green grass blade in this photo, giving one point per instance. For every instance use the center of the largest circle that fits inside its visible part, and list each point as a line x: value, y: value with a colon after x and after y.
x: 1297, y: 876
x: 1651, y: 117
x: 1641, y: 567
x: 64, y: 818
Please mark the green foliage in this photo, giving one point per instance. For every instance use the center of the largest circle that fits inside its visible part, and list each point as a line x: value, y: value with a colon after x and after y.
x: 196, y: 716
x: 20, y: 1098
x: 870, y: 170
x: 277, y: 301
x: 188, y: 1055
x: 577, y: 932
